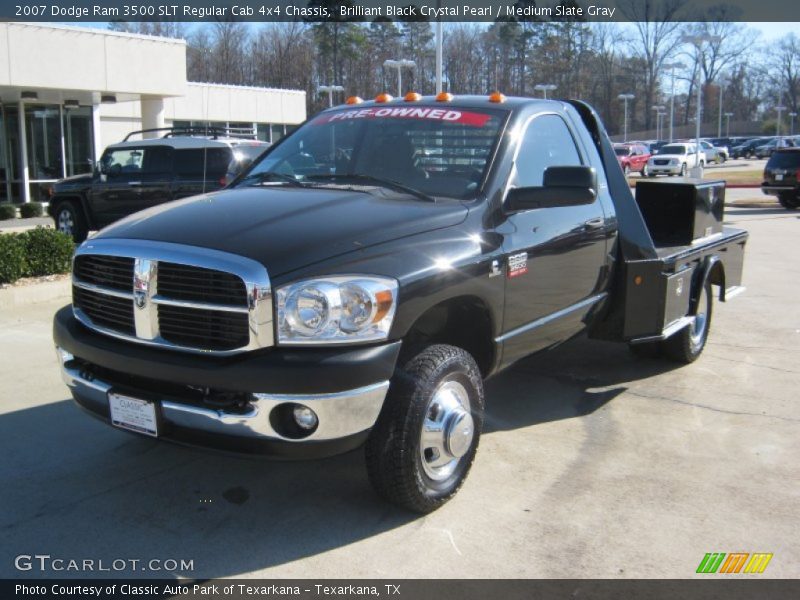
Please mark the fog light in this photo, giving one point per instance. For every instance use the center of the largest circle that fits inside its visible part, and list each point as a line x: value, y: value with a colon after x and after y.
x: 305, y: 417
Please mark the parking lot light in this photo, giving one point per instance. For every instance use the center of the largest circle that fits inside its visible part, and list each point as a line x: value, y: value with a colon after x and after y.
x: 625, y: 98
x: 544, y: 88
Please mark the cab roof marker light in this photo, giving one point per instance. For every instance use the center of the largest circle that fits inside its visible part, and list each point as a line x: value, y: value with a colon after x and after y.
x: 412, y: 97
x: 444, y: 97
x: 354, y: 100
x: 384, y: 97
x: 497, y: 97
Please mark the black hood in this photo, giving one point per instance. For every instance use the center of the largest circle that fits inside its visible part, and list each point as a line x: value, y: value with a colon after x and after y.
x: 74, y: 181
x: 287, y: 228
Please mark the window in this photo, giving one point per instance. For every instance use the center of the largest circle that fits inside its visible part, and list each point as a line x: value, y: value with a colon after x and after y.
x: 189, y: 163
x: 547, y: 143
x: 128, y: 160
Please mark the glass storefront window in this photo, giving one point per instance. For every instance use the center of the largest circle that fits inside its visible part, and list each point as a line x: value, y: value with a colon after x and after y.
x: 43, y: 137
x: 78, y: 140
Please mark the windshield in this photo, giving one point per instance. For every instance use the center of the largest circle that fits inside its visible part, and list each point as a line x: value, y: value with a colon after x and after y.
x: 431, y: 150
x: 621, y: 151
x: 673, y: 150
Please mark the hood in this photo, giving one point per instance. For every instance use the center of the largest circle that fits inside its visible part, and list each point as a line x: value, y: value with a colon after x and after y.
x: 82, y: 179
x: 286, y: 228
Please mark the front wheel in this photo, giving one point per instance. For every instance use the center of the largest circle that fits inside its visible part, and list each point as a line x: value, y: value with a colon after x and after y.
x: 683, y: 170
x: 687, y: 345
x: 422, y: 447
x: 69, y: 219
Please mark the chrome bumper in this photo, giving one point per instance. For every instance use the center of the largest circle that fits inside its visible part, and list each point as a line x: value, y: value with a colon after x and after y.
x: 340, y: 414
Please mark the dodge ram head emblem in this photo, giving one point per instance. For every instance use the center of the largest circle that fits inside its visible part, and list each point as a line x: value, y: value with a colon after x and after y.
x: 140, y: 298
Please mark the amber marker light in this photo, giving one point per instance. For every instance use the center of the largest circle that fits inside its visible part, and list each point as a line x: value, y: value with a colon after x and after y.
x: 413, y: 97
x: 444, y: 97
x: 638, y: 280
x: 497, y: 97
x: 384, y: 97
x: 353, y: 100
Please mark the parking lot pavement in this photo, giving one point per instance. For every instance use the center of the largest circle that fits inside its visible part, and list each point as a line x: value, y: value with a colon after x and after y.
x: 593, y: 464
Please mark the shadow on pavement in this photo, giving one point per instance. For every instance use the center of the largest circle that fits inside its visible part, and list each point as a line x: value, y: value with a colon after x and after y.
x: 74, y: 488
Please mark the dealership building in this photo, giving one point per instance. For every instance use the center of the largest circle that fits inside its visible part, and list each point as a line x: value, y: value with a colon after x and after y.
x: 68, y: 92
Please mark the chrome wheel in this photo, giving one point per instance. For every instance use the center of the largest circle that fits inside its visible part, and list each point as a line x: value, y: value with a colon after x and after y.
x: 447, y: 431
x: 700, y: 318
x: 66, y: 221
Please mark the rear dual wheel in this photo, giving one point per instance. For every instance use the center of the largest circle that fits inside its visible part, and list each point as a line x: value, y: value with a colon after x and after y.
x: 687, y: 345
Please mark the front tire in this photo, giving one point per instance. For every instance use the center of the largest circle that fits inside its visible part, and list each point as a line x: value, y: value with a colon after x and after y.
x: 687, y: 345
x: 422, y: 447
x: 69, y: 219
x: 683, y: 170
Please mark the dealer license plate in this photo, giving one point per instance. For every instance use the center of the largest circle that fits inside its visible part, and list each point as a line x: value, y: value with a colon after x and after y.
x: 133, y: 414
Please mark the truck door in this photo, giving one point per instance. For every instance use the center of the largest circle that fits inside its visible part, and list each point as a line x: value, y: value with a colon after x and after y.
x: 119, y: 186
x: 554, y: 256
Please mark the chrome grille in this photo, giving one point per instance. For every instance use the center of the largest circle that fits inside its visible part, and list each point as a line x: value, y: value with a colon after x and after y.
x: 183, y: 282
x: 178, y: 297
x: 106, y: 311
x: 115, y: 272
x: 215, y: 330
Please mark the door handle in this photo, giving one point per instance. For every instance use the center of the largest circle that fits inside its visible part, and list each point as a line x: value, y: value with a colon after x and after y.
x: 594, y: 223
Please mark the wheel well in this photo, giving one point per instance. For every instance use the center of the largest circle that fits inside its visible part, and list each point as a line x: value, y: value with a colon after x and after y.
x: 464, y: 322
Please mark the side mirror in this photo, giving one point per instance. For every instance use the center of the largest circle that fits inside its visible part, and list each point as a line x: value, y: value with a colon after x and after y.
x: 563, y: 186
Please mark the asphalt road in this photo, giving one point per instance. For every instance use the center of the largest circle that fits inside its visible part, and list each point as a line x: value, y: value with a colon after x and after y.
x: 594, y: 464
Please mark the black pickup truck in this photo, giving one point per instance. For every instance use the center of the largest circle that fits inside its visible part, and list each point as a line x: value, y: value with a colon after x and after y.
x: 363, y: 278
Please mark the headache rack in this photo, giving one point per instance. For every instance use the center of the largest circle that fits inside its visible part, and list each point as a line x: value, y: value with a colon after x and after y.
x: 199, y: 131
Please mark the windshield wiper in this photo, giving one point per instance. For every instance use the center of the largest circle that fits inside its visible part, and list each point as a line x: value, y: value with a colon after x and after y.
x: 378, y: 181
x: 258, y: 178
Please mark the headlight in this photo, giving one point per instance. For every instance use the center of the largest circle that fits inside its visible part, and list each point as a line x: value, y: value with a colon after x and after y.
x: 336, y: 310
x: 673, y: 161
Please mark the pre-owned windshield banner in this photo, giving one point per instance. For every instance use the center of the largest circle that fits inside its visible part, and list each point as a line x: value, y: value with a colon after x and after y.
x: 463, y: 117
x: 83, y: 11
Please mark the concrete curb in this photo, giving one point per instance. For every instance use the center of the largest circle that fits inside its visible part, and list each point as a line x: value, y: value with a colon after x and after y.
x: 43, y: 291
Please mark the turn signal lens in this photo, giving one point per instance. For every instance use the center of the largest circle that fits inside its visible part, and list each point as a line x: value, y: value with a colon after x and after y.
x: 412, y: 97
x: 638, y: 280
x: 497, y: 97
x: 353, y: 100
x: 384, y: 97
x: 444, y: 97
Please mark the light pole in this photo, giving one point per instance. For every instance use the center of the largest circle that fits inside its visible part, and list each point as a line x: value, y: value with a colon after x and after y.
x: 697, y: 41
x: 658, y: 108
x: 672, y: 67
x: 728, y: 116
x: 792, y: 115
x: 544, y: 88
x: 329, y: 89
x: 399, y: 65
x: 722, y: 83
x: 625, y: 98
x: 780, y: 109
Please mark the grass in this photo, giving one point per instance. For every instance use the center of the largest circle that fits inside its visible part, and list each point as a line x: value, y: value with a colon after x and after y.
x: 750, y: 177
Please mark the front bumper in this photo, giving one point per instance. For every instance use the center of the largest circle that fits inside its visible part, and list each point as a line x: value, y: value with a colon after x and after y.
x: 664, y: 169
x: 264, y: 384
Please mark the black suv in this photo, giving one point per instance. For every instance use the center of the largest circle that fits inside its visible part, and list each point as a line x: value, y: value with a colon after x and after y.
x: 782, y: 177
x: 137, y: 174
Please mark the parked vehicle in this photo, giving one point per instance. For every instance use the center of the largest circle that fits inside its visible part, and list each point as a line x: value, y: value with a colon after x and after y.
x: 341, y: 293
x: 766, y: 150
x: 782, y: 177
x: 632, y: 157
x: 714, y: 153
x: 138, y: 174
x: 675, y: 159
x: 748, y: 149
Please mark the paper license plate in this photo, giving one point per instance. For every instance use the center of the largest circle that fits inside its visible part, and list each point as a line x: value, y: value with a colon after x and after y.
x: 133, y: 414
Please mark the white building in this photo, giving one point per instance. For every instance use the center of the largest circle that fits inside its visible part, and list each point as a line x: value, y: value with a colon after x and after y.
x: 68, y: 92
